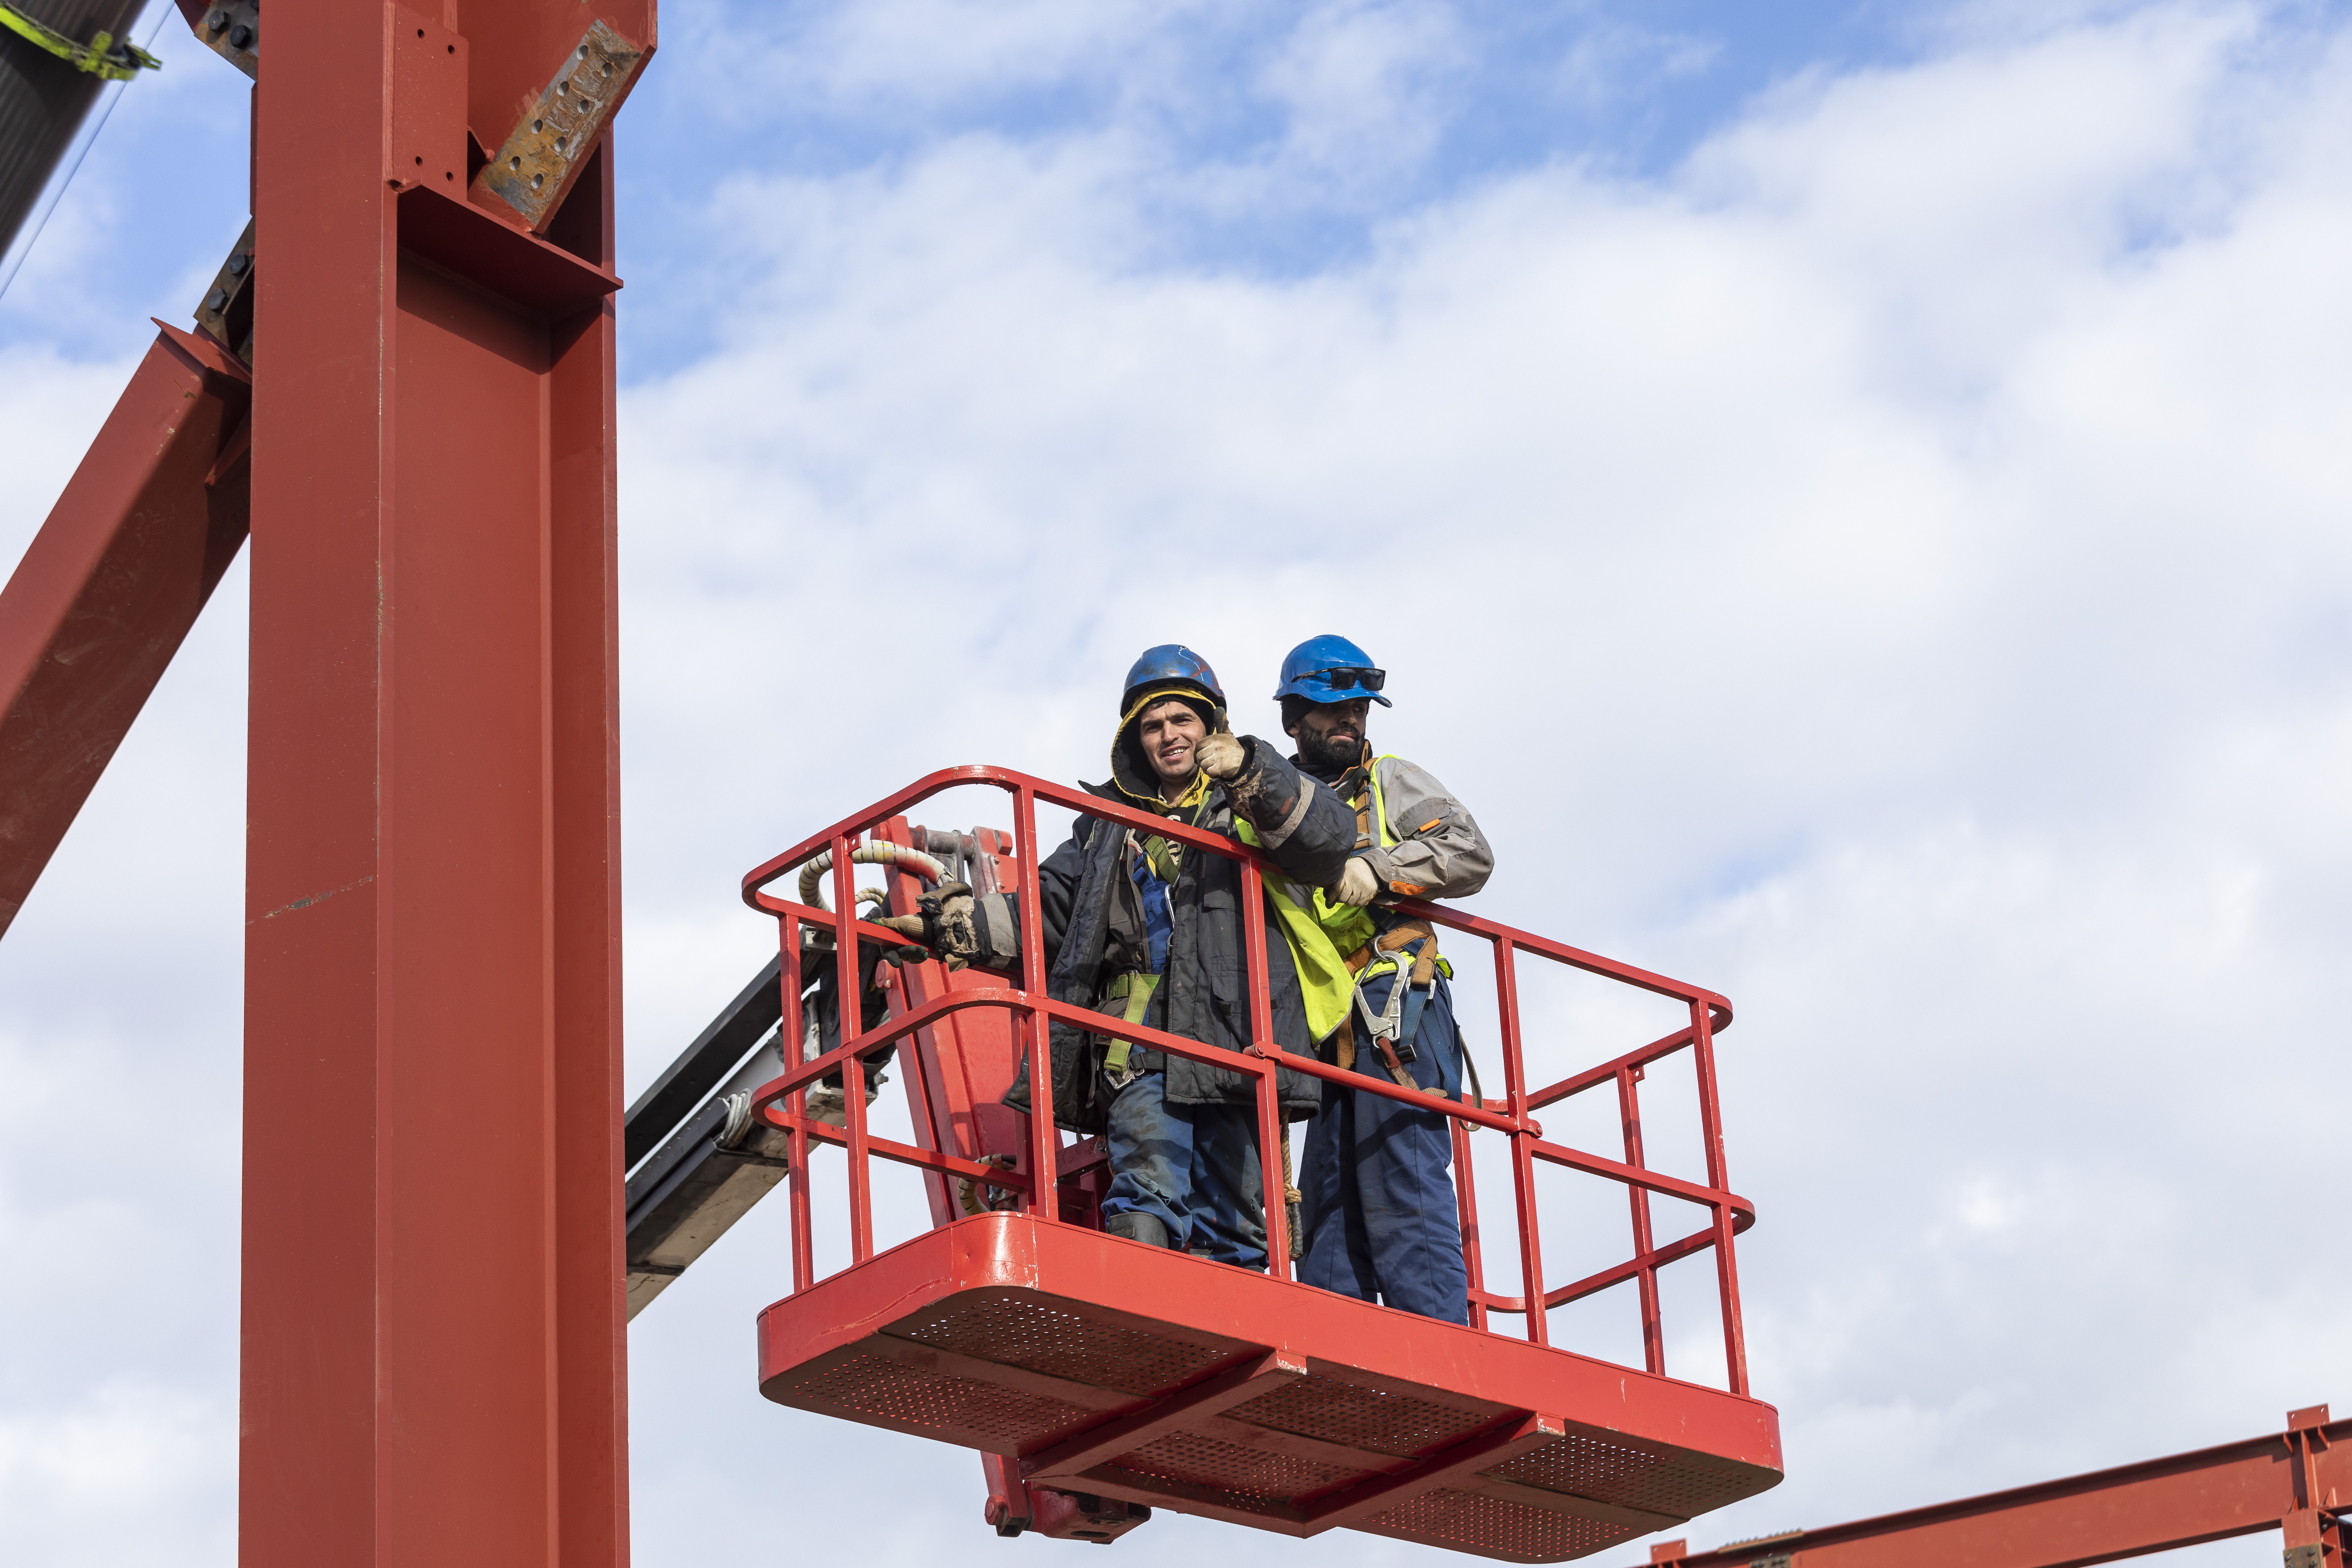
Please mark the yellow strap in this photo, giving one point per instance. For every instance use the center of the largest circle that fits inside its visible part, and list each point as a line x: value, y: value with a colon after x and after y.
x: 1380, y: 804
x: 1137, y: 988
x: 92, y: 57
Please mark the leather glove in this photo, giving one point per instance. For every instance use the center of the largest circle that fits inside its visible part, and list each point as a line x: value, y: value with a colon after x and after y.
x: 944, y: 926
x: 1220, y: 756
x: 1356, y: 884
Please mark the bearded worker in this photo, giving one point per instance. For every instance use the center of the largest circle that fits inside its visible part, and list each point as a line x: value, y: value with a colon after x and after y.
x: 1380, y: 1217
x: 1138, y: 927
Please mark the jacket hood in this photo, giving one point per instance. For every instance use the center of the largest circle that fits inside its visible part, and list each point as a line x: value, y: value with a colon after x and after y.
x: 1132, y: 774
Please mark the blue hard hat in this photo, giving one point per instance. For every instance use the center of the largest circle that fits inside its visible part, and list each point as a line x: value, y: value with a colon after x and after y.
x: 1330, y: 668
x: 1172, y: 664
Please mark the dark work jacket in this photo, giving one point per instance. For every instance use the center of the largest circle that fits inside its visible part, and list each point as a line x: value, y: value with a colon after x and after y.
x: 1082, y: 886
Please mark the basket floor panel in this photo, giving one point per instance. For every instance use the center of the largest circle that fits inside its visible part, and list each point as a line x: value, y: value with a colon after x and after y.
x: 1019, y: 1338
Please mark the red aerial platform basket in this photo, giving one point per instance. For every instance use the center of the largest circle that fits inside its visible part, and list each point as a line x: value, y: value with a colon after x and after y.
x: 1092, y: 1367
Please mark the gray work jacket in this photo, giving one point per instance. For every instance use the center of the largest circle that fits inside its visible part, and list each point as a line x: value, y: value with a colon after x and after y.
x: 1438, y: 851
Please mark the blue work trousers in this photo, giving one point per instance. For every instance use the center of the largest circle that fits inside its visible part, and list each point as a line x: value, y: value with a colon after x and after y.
x: 1194, y: 1168
x: 1380, y: 1215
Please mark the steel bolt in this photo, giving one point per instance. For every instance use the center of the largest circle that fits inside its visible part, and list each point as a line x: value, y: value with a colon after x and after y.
x: 215, y: 300
x: 238, y: 263
x: 240, y: 35
x: 215, y: 21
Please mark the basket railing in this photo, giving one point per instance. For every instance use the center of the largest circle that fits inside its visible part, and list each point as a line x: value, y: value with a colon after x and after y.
x: 781, y: 1102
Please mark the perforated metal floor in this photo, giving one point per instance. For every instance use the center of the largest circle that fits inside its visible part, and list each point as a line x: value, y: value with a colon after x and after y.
x: 1076, y: 1352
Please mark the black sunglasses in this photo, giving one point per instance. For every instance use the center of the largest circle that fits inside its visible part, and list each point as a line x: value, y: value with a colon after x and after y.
x: 1348, y: 679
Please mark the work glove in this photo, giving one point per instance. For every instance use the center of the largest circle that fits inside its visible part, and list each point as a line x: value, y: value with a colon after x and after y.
x: 1356, y: 884
x: 1220, y: 756
x: 944, y: 926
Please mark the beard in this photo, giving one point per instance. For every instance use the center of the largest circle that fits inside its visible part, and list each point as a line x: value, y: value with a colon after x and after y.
x: 1331, y: 754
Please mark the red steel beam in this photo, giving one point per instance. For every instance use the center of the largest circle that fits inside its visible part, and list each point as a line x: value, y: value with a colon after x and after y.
x: 2211, y: 1494
x: 433, y: 1317
x: 109, y: 588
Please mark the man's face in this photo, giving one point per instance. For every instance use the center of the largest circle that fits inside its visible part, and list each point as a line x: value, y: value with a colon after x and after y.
x: 1331, y: 734
x: 1171, y: 734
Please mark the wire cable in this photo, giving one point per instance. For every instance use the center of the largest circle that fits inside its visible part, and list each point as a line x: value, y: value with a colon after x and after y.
x: 113, y: 94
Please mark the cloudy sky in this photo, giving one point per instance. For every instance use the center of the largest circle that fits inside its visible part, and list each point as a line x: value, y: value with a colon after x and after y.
x: 1854, y: 495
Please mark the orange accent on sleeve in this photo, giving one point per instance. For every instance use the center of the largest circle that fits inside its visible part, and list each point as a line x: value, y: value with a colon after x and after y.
x: 1407, y: 889
x: 1430, y: 824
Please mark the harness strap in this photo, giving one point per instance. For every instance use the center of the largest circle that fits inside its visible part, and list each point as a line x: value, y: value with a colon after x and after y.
x: 1136, y: 988
x: 1343, y: 1038
x: 1291, y: 1197
x: 1394, y: 1027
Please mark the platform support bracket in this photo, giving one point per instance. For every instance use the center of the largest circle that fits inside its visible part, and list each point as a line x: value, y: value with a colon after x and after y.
x: 1073, y: 1457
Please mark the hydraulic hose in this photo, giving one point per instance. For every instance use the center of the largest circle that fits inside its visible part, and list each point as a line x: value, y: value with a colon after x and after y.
x: 897, y: 855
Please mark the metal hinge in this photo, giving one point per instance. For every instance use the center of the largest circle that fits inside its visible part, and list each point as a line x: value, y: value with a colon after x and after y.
x: 101, y: 56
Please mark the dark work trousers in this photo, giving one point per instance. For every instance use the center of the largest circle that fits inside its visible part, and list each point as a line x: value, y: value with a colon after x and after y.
x: 1192, y: 1167
x: 1378, y: 1210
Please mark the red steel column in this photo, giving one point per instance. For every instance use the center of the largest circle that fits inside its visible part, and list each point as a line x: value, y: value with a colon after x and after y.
x: 432, y: 1330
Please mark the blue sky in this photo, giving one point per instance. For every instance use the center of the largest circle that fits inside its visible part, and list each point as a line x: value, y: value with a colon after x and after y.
x: 1852, y: 496
x: 1632, y: 86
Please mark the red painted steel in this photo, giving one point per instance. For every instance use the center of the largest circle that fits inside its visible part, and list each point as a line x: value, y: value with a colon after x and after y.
x: 1451, y: 1492
x: 110, y: 586
x: 1125, y: 1371
x: 433, y: 1340
x: 961, y: 1067
x: 2294, y: 1479
x: 1629, y: 1112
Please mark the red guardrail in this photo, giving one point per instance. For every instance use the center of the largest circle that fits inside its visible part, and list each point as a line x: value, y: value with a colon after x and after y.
x: 781, y: 1103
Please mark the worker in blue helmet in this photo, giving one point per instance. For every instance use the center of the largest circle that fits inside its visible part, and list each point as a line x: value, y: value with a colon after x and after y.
x: 1379, y: 1219
x: 1137, y: 927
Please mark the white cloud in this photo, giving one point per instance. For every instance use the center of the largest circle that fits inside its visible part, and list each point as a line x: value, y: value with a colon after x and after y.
x: 1890, y: 568
x: 1885, y: 569
x: 128, y: 1473
x: 1355, y: 78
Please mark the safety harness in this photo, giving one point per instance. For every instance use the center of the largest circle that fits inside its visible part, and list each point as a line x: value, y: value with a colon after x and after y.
x: 1407, y: 950
x: 1164, y: 858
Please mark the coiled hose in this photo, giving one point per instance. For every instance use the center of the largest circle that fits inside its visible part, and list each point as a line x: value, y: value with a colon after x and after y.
x: 895, y: 856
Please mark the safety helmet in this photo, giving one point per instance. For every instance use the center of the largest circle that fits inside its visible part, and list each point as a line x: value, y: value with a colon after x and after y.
x: 1170, y: 665
x: 1330, y: 668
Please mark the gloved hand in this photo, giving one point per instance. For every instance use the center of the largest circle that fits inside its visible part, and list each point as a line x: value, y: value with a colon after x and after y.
x: 945, y: 925
x: 1356, y: 884
x: 1220, y: 756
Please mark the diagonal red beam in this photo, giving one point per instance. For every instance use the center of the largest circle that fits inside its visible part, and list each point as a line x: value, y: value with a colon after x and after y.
x: 2158, y: 1505
x: 109, y: 588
